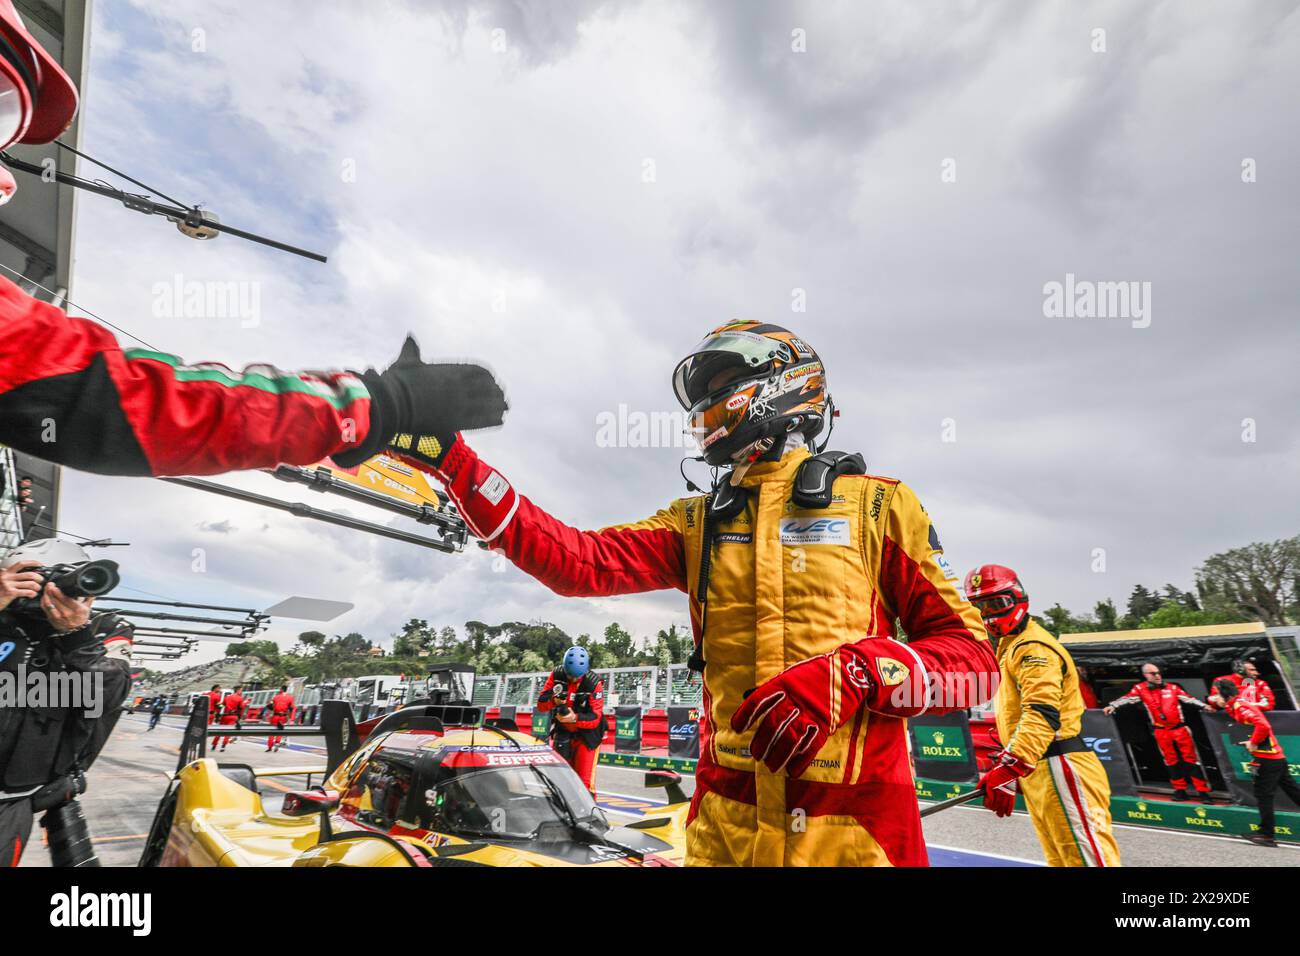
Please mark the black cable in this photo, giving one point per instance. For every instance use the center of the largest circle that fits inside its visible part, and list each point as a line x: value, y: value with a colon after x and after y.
x: 118, y: 172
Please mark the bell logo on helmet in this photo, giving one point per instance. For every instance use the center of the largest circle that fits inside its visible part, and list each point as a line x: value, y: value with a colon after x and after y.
x: 737, y: 401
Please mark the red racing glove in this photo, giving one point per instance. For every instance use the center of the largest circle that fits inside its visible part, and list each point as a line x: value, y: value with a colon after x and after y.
x: 795, y: 713
x: 999, y: 784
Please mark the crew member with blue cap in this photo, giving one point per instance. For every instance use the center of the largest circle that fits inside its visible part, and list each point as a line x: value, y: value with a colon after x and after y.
x: 575, y: 697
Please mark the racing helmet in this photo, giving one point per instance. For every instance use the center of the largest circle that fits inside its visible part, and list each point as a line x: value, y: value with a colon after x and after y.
x: 47, y: 551
x: 576, y: 662
x: 747, y: 385
x: 999, y: 596
x: 37, y: 99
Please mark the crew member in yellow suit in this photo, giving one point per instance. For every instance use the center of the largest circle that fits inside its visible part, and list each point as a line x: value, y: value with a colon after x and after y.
x: 1039, y: 710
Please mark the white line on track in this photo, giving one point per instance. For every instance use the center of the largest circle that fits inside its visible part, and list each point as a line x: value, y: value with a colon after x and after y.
x: 993, y: 856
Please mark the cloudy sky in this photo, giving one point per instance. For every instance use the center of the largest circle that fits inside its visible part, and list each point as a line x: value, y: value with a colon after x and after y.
x: 574, y: 192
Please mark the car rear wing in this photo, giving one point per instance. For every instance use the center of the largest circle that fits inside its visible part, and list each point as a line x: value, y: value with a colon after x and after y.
x: 337, y: 725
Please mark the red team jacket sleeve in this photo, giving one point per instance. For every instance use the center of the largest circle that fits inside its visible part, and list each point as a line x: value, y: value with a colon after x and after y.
x: 70, y: 394
x: 546, y: 699
x: 943, y: 629
x: 646, y: 556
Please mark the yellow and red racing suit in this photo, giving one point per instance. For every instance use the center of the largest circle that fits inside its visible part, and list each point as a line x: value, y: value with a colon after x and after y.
x: 1039, y: 713
x: 786, y: 584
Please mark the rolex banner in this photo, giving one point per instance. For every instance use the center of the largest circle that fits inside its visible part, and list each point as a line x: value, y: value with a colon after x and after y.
x: 942, y: 748
x: 541, y: 723
x: 627, y: 729
x: 1101, y: 734
x: 1229, y: 737
x: 684, y: 732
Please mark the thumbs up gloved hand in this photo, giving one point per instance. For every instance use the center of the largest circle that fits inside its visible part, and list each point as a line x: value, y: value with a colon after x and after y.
x: 418, y: 407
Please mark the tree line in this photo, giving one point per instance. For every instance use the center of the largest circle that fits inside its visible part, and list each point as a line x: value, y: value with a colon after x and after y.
x: 1258, y: 582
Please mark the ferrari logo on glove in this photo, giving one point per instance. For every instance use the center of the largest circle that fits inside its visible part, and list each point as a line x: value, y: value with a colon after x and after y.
x: 892, y: 672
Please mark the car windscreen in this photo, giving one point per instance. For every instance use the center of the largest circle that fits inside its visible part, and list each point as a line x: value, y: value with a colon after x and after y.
x: 509, y: 802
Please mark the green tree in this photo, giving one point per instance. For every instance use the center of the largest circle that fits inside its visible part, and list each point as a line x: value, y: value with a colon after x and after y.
x: 620, y: 644
x: 1259, y: 582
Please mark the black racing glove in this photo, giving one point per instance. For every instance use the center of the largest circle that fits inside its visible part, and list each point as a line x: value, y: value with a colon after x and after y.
x: 418, y: 407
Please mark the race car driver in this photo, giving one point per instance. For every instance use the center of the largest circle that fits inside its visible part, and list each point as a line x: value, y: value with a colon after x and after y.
x: 1039, y: 712
x: 575, y: 697
x: 796, y: 567
x: 70, y: 394
x: 1270, y: 768
x: 1251, y: 687
x: 1163, y: 701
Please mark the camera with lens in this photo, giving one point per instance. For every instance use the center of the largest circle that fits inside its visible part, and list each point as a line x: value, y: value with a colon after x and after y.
x: 560, y: 695
x: 88, y: 579
x: 66, y: 566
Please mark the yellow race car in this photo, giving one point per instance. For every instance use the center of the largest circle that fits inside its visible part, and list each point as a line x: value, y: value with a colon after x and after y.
x: 429, y: 786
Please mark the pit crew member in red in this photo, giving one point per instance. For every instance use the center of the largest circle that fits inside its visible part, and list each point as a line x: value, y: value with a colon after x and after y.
x: 1270, y: 767
x: 1163, y: 701
x: 214, y: 705
x: 233, y: 706
x: 1251, y: 687
x: 279, y: 710
x: 575, y: 699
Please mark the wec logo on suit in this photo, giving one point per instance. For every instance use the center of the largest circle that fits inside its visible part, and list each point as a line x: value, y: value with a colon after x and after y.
x: 815, y: 531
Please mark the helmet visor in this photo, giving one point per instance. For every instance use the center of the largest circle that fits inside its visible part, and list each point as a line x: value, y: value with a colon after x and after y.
x: 994, y: 604
x: 694, y: 376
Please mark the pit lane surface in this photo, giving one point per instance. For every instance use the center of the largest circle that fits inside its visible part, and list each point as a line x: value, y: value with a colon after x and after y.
x: 127, y: 781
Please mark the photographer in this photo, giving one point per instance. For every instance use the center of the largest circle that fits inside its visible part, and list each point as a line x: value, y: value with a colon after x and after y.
x: 575, y: 697
x: 50, y: 638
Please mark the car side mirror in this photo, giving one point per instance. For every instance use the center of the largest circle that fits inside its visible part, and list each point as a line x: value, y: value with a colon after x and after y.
x: 303, y: 803
x: 671, y: 781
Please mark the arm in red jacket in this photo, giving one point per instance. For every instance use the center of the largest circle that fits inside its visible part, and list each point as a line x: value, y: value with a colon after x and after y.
x: 546, y: 699
x: 944, y: 630
x: 1261, y: 736
x: 624, y: 559
x: 70, y: 394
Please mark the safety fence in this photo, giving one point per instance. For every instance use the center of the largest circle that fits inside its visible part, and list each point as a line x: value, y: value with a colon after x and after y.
x: 645, y: 687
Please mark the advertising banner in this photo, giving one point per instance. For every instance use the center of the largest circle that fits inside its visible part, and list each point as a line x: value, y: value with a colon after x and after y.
x: 942, y: 748
x: 1100, y: 732
x: 627, y: 729
x: 541, y: 723
x: 684, y: 732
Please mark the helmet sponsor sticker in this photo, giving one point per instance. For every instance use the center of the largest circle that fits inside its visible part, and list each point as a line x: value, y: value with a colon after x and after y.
x: 801, y: 371
x: 800, y: 345
x: 713, y: 439
x: 494, y: 488
x: 815, y: 531
x: 737, y: 401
